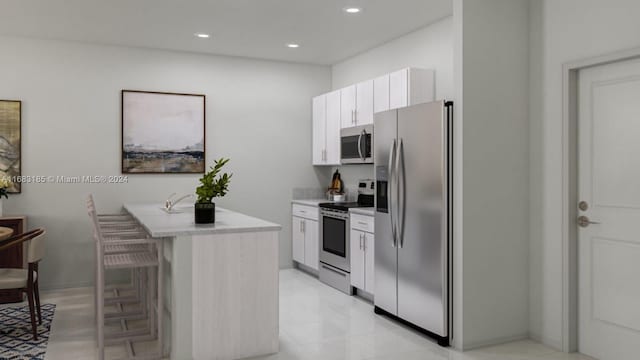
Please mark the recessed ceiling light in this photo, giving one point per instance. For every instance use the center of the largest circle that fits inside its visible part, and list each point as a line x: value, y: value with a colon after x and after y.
x: 202, y: 35
x: 293, y: 46
x: 352, y: 10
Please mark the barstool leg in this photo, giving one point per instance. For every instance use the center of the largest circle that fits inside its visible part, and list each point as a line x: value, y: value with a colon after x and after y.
x: 160, y: 302
x: 100, y: 308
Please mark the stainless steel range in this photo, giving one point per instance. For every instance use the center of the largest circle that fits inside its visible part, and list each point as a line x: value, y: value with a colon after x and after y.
x: 335, y: 266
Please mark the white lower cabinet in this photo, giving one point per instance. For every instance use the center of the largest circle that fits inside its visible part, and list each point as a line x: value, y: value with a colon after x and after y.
x: 297, y: 236
x: 304, y: 236
x: 362, y: 259
x: 311, y: 245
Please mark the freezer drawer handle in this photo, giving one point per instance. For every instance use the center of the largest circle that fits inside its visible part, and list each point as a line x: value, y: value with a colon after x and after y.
x: 333, y: 270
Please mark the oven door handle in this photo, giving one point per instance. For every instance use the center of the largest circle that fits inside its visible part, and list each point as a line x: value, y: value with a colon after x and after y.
x: 390, y: 191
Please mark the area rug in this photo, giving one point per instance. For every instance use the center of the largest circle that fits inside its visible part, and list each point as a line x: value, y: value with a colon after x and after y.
x: 16, y: 339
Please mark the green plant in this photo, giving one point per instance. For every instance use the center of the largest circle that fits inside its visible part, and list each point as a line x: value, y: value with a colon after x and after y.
x: 5, y: 184
x: 212, y: 185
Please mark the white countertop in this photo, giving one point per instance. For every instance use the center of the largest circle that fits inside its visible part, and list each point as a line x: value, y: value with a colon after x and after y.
x: 159, y: 223
x: 368, y: 211
x: 309, y: 202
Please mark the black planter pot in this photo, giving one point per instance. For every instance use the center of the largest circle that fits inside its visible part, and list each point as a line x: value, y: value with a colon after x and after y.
x: 205, y: 213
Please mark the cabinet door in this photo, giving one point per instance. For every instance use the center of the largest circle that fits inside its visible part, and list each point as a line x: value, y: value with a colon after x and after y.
x: 311, y: 245
x: 364, y: 103
x: 357, y: 259
x: 369, y: 264
x: 381, y: 94
x: 297, y: 238
x: 319, y: 112
x: 348, y: 106
x: 398, y: 89
x: 332, y: 152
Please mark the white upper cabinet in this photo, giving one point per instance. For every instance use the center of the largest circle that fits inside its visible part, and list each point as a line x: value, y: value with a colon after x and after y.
x: 364, y: 103
x: 398, y: 90
x: 410, y: 87
x: 332, y: 153
x: 381, y: 94
x: 319, y: 139
x: 348, y: 106
x: 356, y: 106
x: 326, y: 129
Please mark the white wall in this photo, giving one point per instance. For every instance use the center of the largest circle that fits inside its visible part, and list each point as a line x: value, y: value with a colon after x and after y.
x: 492, y: 172
x: 572, y: 30
x: 429, y: 48
x: 257, y: 111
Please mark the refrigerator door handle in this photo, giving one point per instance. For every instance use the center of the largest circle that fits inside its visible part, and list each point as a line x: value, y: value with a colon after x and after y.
x: 401, y: 185
x: 390, y: 191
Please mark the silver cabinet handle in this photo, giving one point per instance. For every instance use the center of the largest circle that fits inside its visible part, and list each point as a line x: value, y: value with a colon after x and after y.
x: 353, y: 116
x: 304, y: 227
x: 362, y: 223
x: 390, y: 191
x: 300, y: 226
x: 364, y: 242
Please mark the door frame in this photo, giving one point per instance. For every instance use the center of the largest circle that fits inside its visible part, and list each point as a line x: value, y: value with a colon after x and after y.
x: 570, y: 189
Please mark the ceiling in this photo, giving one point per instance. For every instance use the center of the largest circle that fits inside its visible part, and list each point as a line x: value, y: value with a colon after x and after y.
x: 251, y: 28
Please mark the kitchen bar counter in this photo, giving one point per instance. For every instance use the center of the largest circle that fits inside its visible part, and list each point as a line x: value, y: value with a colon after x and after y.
x: 222, y: 282
x: 159, y: 223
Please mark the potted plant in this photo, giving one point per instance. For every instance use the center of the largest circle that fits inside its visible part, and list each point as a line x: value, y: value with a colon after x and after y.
x: 5, y: 184
x: 212, y: 185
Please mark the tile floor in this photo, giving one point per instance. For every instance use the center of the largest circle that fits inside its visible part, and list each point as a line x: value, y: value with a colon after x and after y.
x: 316, y: 322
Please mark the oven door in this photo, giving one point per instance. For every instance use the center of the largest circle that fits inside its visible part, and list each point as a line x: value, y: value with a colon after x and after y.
x: 356, y: 144
x: 334, y: 239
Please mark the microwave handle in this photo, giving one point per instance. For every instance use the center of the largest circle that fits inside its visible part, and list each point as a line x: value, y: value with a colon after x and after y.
x: 360, y: 145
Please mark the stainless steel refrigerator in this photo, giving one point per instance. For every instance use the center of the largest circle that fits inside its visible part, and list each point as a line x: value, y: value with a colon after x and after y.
x: 413, y: 224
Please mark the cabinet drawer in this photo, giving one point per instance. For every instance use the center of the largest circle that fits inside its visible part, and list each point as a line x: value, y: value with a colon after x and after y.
x: 307, y: 212
x: 362, y: 223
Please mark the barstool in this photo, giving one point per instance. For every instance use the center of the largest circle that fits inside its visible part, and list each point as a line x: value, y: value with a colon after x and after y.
x: 119, y: 227
x: 128, y: 248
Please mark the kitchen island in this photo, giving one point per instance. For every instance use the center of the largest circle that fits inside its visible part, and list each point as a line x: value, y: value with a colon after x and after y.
x: 221, y: 282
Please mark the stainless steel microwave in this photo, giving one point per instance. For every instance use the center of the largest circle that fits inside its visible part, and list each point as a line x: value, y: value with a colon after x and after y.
x: 356, y: 144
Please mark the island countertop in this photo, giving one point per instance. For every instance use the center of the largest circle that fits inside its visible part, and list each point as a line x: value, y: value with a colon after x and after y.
x: 159, y: 223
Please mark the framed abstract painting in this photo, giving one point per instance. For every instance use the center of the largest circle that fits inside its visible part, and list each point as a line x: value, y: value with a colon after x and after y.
x: 10, y: 141
x: 162, y: 132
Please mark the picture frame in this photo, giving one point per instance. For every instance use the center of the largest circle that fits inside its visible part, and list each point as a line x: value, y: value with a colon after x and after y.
x: 162, y: 132
x: 11, y: 142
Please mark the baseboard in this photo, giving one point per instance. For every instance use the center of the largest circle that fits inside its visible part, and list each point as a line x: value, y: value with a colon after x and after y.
x: 66, y: 285
x: 552, y: 343
x: 306, y: 269
x: 492, y: 342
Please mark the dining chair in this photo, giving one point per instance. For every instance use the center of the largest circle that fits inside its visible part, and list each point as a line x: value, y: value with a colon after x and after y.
x: 26, y: 280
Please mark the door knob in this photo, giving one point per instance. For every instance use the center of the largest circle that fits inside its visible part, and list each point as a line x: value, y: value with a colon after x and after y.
x: 584, y: 221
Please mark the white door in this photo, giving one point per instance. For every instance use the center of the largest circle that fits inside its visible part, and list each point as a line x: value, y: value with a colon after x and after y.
x: 332, y: 152
x: 356, y: 239
x: 609, y: 184
x: 364, y: 103
x: 318, y: 118
x: 348, y: 106
x: 369, y: 268
x: 311, y: 245
x: 297, y: 238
